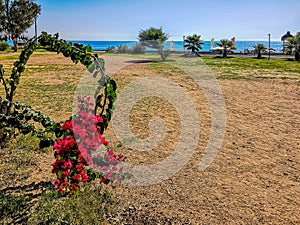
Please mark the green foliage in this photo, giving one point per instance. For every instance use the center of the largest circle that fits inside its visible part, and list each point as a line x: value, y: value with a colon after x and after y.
x: 297, y: 46
x: 258, y: 49
x: 193, y: 43
x: 123, y: 49
x: 3, y: 46
x: 111, y: 49
x: 110, y: 97
x: 24, y: 118
x: 293, y: 45
x: 16, y: 17
x: 154, y: 38
x: 289, y: 46
x: 138, y: 49
x: 226, y: 45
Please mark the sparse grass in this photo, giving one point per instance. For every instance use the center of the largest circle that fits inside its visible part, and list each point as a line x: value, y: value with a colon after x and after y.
x: 138, y: 56
x: 164, y: 68
x: 253, y: 68
x: 14, y: 208
x: 47, y: 87
x: 15, y: 55
x: 87, y: 207
x: 18, y: 160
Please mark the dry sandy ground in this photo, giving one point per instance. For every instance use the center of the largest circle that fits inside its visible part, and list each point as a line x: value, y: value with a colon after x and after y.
x: 254, y: 178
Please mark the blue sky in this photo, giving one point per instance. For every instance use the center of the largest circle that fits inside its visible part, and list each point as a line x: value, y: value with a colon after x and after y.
x: 123, y: 19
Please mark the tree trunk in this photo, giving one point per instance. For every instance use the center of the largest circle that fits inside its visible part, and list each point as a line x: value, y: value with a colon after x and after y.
x: 258, y: 55
x: 297, y: 56
x: 15, y: 44
x: 224, y: 53
x: 4, y: 135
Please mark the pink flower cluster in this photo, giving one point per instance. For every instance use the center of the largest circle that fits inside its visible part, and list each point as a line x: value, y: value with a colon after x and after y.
x: 77, y: 150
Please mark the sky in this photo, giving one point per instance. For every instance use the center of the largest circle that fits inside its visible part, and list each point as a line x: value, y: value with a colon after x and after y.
x: 123, y: 19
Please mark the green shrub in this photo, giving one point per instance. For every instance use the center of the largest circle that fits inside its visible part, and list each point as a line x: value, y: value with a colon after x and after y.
x: 3, y: 46
x: 111, y: 49
x: 123, y: 49
x: 138, y: 49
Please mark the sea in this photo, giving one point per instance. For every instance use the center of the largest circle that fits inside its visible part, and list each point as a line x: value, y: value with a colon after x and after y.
x: 241, y: 46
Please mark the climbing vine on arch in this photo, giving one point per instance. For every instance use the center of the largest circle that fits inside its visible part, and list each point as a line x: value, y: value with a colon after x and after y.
x: 16, y: 118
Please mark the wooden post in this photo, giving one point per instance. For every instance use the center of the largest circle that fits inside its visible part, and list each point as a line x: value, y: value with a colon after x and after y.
x: 269, y: 46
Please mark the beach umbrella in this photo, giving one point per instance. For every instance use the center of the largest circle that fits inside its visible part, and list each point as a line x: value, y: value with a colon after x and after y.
x: 286, y: 36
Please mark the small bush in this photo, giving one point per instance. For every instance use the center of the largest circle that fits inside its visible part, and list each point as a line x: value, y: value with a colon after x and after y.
x: 3, y: 46
x: 111, y: 49
x: 138, y: 49
x: 164, y: 54
x: 123, y: 49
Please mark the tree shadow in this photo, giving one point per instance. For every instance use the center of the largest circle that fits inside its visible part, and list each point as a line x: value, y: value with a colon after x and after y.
x: 221, y: 57
x: 17, y: 202
x: 142, y: 61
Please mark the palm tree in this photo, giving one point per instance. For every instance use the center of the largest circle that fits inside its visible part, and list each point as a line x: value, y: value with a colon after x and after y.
x: 258, y: 49
x: 297, y: 46
x: 226, y: 45
x: 289, y: 46
x: 294, y: 44
x: 194, y: 43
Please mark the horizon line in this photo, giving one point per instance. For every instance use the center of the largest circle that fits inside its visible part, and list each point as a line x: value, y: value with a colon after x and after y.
x: 265, y: 40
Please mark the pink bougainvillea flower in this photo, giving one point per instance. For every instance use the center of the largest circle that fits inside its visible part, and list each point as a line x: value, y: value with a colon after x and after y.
x: 73, y: 156
x: 68, y: 125
x: 98, y: 119
x: 103, y: 180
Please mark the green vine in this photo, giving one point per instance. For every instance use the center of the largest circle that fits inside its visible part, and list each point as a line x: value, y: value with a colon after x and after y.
x: 23, y: 118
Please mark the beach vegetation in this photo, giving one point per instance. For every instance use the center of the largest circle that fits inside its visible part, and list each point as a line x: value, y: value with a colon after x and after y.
x: 138, y: 49
x: 154, y: 38
x: 226, y: 46
x: 16, y: 17
x: 293, y: 46
x: 297, y: 46
x: 123, y: 49
x: 289, y: 46
x: 193, y: 43
x: 111, y: 49
x: 259, y: 49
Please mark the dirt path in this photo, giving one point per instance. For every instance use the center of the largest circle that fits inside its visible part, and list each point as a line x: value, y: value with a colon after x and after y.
x: 253, y: 180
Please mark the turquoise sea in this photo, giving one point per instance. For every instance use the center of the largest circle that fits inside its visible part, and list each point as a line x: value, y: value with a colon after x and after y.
x: 178, y: 45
